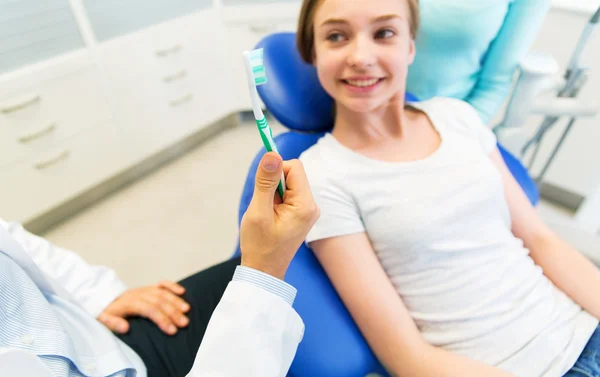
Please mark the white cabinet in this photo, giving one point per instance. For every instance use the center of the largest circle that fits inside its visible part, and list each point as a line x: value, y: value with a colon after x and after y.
x: 49, y: 104
x: 52, y: 177
x: 58, y: 136
x: 32, y: 31
x: 112, y: 18
x: 207, y: 64
x: 180, y: 87
x: 154, y: 73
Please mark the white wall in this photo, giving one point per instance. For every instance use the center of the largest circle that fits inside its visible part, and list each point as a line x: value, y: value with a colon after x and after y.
x: 577, y: 166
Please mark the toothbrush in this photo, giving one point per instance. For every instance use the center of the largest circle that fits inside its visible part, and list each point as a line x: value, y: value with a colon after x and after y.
x: 256, y: 75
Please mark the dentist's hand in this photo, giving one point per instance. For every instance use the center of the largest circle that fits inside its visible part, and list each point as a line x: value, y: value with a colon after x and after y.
x: 272, y: 229
x: 160, y: 303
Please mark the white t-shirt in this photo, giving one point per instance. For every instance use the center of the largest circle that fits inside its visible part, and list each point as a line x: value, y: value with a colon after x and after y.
x: 441, y: 229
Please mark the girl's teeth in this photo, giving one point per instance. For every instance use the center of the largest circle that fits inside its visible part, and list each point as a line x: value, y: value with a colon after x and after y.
x: 363, y: 83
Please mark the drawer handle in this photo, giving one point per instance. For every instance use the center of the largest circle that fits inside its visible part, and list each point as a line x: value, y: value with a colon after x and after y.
x: 37, y: 134
x: 52, y: 160
x: 260, y: 29
x: 180, y: 101
x: 169, y: 51
x: 177, y: 76
x: 22, y: 105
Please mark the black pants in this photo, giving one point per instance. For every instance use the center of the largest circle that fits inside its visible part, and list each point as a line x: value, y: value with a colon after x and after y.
x: 173, y: 356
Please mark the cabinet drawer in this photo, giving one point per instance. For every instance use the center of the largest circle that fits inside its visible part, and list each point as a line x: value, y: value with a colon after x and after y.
x: 209, y: 78
x: 196, y: 89
x: 182, y: 84
x: 155, y: 52
x: 35, y: 117
x: 37, y: 184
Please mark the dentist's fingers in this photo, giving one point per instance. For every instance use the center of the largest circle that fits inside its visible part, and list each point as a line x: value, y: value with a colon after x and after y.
x: 268, y: 175
x: 169, y: 305
x: 295, y: 177
x: 270, y: 235
x: 299, y: 193
x: 114, y: 323
x: 154, y: 313
x: 172, y: 286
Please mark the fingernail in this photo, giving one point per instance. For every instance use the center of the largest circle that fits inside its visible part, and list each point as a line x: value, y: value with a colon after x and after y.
x: 172, y: 329
x: 271, y: 163
x: 122, y: 328
x: 185, y: 307
x: 183, y: 321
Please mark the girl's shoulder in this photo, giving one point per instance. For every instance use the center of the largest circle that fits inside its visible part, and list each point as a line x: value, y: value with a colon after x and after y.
x: 455, y: 116
x: 450, y: 111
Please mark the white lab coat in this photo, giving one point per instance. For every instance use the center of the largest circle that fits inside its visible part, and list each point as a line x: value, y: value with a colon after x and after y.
x: 252, y: 333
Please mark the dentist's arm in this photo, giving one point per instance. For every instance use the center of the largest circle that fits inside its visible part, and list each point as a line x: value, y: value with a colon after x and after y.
x: 521, y: 26
x: 16, y: 362
x: 98, y: 289
x: 254, y: 332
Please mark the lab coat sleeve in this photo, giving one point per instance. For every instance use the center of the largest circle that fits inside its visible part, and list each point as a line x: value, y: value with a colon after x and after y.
x: 517, y: 34
x: 92, y: 287
x: 18, y: 363
x: 252, y: 333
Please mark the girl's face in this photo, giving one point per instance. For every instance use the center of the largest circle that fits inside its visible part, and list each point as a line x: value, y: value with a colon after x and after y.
x: 362, y: 51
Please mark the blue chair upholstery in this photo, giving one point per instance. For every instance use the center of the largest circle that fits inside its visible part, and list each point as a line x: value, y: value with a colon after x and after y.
x: 332, y: 345
x: 521, y: 175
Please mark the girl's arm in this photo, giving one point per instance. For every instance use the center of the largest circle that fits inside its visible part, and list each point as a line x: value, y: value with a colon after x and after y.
x: 566, y: 267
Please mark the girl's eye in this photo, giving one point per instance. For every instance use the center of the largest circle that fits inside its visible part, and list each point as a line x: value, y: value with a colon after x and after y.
x: 384, y: 33
x: 335, y: 37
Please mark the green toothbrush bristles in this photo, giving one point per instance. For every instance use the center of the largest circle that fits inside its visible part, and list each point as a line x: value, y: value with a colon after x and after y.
x: 258, y: 68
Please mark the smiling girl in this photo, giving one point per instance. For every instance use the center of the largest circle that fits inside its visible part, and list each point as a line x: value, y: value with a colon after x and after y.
x: 433, y: 247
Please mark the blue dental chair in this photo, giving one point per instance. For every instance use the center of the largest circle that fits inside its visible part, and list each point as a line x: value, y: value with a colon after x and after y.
x: 332, y: 345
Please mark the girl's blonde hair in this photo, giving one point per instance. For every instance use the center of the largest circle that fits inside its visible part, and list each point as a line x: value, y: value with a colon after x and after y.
x: 305, y: 37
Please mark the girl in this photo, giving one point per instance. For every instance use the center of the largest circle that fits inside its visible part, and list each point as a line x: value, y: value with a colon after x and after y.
x: 431, y: 244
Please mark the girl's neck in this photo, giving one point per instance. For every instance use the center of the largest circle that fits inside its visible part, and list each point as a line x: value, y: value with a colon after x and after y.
x: 357, y: 130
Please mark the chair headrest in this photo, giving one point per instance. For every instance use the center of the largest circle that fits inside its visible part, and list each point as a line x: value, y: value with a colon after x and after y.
x: 293, y: 93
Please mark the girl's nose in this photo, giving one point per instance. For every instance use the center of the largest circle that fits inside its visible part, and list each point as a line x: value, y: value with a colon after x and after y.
x: 361, y: 54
